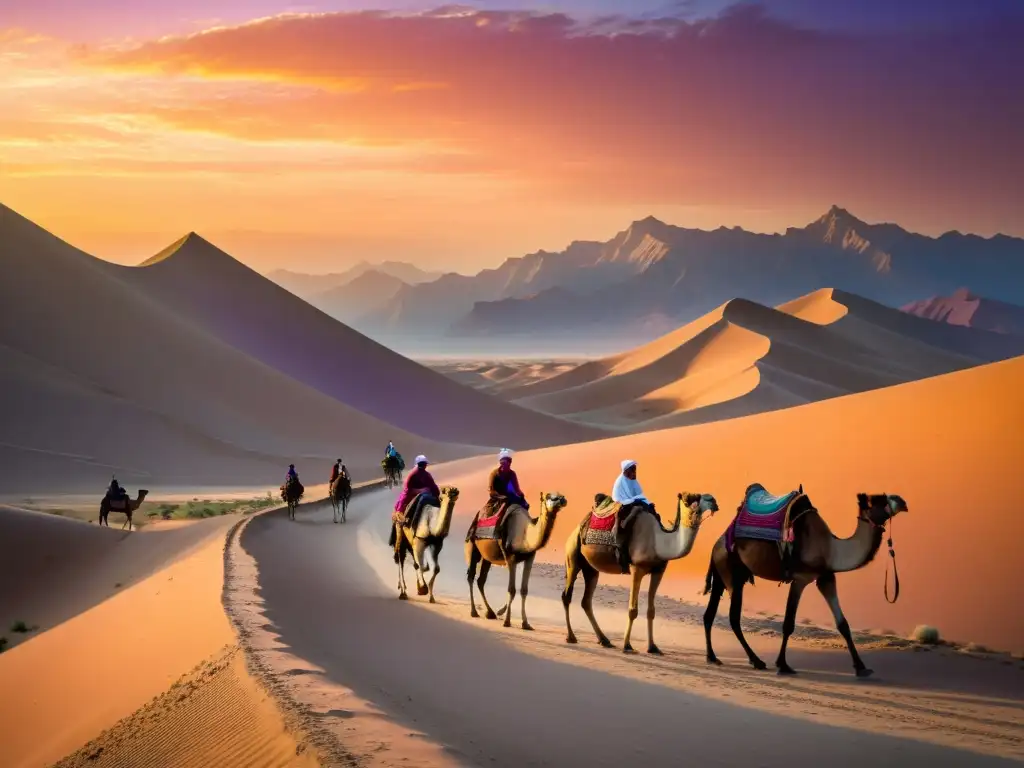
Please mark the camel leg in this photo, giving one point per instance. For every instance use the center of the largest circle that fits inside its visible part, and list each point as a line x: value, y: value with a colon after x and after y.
x: 827, y: 586
x: 739, y: 578
x: 473, y: 556
x: 717, y: 588
x: 524, y: 587
x: 652, y: 591
x: 634, y: 606
x: 796, y: 589
x: 513, y: 566
x: 572, y: 570
x: 590, y: 578
x: 419, y: 549
x: 435, y: 553
x: 485, y: 568
x: 402, y: 594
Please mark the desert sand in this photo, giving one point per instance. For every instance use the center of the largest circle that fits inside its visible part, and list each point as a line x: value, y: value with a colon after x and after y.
x: 131, y: 626
x: 194, y: 370
x: 744, y: 358
x: 497, y: 376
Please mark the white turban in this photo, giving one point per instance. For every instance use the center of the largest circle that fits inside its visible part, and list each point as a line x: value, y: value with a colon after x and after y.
x: 505, y: 453
x: 627, y: 463
x: 421, y: 459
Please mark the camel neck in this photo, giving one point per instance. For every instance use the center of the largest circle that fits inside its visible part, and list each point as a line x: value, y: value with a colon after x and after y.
x: 858, y: 550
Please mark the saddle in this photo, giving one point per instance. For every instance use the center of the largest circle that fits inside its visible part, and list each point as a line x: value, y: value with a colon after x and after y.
x: 489, y: 522
x: 411, y: 514
x: 609, y: 524
x: 117, y: 503
x: 767, y: 517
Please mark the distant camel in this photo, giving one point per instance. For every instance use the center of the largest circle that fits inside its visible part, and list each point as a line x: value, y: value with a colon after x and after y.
x: 651, y: 547
x: 392, y: 472
x: 341, y: 492
x: 427, y: 530
x: 125, y: 505
x: 291, y: 492
x: 818, y: 557
x: 523, y: 538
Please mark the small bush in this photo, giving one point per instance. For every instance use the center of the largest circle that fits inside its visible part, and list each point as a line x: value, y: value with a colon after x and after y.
x: 20, y: 627
x: 925, y: 635
x: 3, y: 644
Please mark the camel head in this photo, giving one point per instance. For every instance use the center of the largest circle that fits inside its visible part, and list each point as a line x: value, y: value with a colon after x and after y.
x: 553, y: 502
x: 143, y: 493
x: 879, y: 508
x: 451, y: 493
x: 697, y: 505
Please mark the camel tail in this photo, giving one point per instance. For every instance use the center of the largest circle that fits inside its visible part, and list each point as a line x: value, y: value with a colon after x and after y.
x: 710, y: 578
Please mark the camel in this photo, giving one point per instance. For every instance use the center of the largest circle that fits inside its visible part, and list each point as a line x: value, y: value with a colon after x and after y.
x: 125, y: 505
x: 651, y: 548
x: 340, y: 493
x: 431, y: 529
x: 819, y: 557
x: 392, y: 472
x: 291, y: 492
x: 524, y: 537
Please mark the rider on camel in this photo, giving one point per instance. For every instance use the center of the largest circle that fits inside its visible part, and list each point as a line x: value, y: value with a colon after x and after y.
x: 630, y: 495
x: 291, y: 474
x: 418, y: 482
x: 503, y: 491
x: 115, y: 491
x: 336, y: 470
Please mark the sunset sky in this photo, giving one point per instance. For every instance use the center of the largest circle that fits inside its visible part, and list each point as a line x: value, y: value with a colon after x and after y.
x: 312, y: 135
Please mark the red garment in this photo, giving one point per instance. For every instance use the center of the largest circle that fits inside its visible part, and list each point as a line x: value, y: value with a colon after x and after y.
x: 416, y: 482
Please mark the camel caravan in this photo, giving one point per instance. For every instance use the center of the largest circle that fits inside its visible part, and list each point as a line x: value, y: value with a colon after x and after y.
x: 777, y: 538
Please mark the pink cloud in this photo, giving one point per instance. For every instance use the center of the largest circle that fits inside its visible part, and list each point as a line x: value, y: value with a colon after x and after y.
x: 737, y: 108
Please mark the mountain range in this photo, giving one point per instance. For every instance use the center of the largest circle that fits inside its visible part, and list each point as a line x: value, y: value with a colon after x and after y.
x: 964, y: 308
x: 653, y: 276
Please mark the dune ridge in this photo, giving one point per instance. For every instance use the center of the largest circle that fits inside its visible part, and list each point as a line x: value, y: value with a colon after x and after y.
x: 745, y: 358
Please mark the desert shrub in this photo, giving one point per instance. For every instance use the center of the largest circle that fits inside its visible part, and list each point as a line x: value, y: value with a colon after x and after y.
x: 925, y: 635
x: 21, y: 627
x: 3, y: 644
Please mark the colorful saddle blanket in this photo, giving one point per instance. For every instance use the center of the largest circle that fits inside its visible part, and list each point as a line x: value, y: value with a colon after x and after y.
x: 761, y: 516
x: 486, y: 527
x: 601, y: 525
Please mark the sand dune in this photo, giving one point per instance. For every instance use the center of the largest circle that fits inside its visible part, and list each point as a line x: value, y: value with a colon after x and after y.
x: 744, y: 358
x: 225, y: 299
x: 194, y: 370
x: 949, y: 444
x: 122, y: 618
x: 498, y: 377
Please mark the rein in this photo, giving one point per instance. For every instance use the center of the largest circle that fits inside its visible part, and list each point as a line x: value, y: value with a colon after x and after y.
x: 895, y: 571
x: 892, y: 556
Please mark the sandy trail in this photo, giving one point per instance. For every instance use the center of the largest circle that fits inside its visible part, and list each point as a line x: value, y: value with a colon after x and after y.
x: 327, y: 594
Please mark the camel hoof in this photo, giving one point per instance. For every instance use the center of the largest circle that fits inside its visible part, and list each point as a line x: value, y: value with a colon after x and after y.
x: 604, y: 642
x: 654, y: 650
x: 758, y: 664
x: 422, y: 591
x: 492, y: 615
x: 432, y: 600
x: 403, y: 596
x: 527, y: 627
x: 571, y: 640
x: 474, y: 614
x: 865, y: 672
x: 507, y: 623
x: 714, y: 661
x: 628, y: 649
x: 785, y: 669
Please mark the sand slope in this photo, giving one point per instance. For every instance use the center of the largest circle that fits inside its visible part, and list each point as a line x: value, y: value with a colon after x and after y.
x: 950, y: 444
x: 744, y: 358
x: 206, y: 287
x: 98, y: 375
x: 115, y: 648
